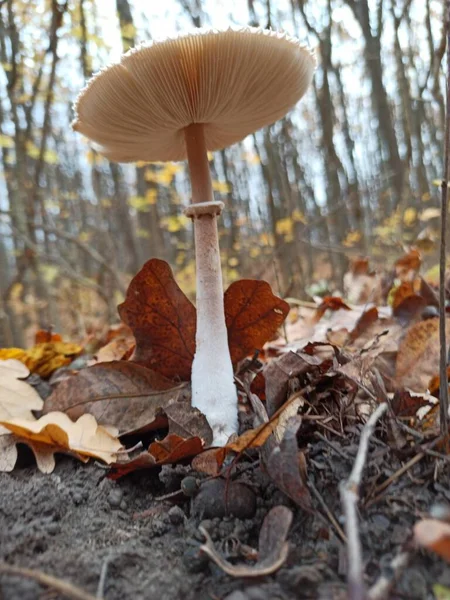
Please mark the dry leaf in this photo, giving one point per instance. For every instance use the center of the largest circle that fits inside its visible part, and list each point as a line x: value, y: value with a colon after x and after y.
x: 162, y: 319
x: 333, y: 303
x: 253, y: 315
x: 171, y: 450
x: 43, y: 359
x: 119, y: 393
x: 407, y: 266
x: 283, y: 465
x: 84, y: 437
x: 17, y: 398
x: 44, y: 454
x: 434, y: 535
x: 418, y: 355
x: 273, y: 548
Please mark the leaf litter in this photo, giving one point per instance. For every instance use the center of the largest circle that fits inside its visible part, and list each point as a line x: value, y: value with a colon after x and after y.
x: 303, y: 405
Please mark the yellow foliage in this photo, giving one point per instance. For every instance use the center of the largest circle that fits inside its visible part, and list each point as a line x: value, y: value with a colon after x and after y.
x: 233, y: 261
x: 285, y: 227
x: 426, y: 197
x: 221, y: 187
x: 50, y: 156
x: 267, y: 239
x: 353, y: 238
x: 128, y: 30
x: 16, y: 353
x: 142, y: 233
x: 85, y: 236
x: 255, y: 251
x: 6, y: 141
x: 175, y: 223
x: 106, y: 202
x: 44, y: 358
x: 151, y: 196
x: 299, y: 217
x: 409, y: 216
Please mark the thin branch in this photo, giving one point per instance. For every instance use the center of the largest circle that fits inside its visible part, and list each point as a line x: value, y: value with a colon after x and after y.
x: 349, y: 497
x: 63, y: 587
x: 443, y: 396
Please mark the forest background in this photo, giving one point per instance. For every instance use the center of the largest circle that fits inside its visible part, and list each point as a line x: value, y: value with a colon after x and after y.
x: 353, y: 170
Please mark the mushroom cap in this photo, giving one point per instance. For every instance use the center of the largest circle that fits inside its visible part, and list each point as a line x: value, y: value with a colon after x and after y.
x: 234, y: 82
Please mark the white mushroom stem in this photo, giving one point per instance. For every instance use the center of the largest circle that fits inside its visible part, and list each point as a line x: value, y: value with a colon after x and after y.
x: 213, y: 389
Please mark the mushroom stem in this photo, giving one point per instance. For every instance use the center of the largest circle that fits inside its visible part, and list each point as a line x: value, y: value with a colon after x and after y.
x: 213, y: 389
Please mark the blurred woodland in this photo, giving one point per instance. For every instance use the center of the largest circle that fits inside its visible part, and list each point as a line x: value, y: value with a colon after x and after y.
x: 353, y: 170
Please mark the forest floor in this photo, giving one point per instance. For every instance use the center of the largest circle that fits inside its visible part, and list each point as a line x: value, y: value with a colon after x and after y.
x: 117, y: 539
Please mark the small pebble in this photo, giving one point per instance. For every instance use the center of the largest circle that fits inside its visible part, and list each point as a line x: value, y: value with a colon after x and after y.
x: 215, y: 500
x: 176, y: 515
x: 77, y: 498
x: 194, y: 560
x: 53, y: 528
x: 115, y: 497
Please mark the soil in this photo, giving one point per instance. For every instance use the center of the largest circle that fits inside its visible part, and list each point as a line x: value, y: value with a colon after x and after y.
x: 80, y: 526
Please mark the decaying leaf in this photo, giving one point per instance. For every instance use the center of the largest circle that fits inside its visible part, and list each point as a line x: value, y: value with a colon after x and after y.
x: 171, y: 450
x: 162, y: 319
x: 273, y: 548
x: 333, y: 303
x: 56, y: 430
x: 119, y: 393
x: 17, y: 398
x: 418, y: 355
x: 406, y: 403
x: 407, y: 266
x: 283, y: 466
x: 434, y: 535
x: 43, y: 454
x: 279, y: 372
x: 44, y: 358
x: 253, y: 315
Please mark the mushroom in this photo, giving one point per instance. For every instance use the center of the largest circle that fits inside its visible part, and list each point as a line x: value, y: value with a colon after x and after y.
x: 178, y: 99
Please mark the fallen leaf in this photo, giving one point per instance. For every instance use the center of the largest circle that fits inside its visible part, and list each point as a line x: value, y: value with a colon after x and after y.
x: 119, y: 393
x: 418, y: 355
x: 43, y: 359
x: 406, y: 403
x: 162, y: 319
x: 17, y: 398
x: 433, y: 535
x: 367, y: 318
x: 273, y: 548
x: 333, y: 303
x: 279, y: 372
x: 283, y: 466
x: 119, y: 348
x: 171, y: 450
x: 253, y: 314
x: 43, y: 454
x: 84, y: 437
x: 44, y: 336
x: 407, y: 266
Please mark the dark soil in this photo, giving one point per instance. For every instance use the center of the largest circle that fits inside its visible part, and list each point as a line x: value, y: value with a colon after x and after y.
x: 75, y: 523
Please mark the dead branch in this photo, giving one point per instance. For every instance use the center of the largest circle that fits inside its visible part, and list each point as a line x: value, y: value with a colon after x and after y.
x: 349, y: 497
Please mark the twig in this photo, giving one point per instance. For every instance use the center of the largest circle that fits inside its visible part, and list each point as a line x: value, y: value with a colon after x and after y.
x: 443, y: 395
x: 415, y: 459
x: 102, y: 581
x: 349, y: 497
x: 327, y: 511
x: 386, y: 581
x: 63, y: 587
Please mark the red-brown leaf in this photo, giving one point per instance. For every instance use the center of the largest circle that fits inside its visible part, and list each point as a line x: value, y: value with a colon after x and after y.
x: 171, y: 450
x: 162, y: 319
x: 253, y: 314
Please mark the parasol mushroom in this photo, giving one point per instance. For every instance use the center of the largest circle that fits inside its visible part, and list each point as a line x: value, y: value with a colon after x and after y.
x: 178, y: 99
